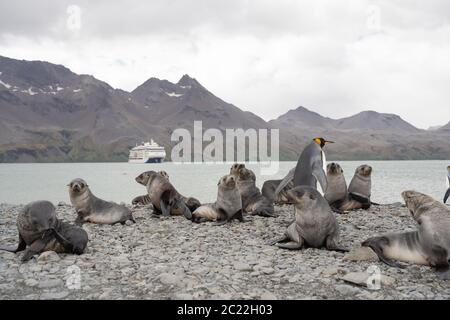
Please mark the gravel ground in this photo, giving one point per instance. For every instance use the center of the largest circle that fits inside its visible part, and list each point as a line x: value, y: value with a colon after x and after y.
x: 171, y: 258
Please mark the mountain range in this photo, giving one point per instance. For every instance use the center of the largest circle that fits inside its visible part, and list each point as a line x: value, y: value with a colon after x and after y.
x: 50, y: 114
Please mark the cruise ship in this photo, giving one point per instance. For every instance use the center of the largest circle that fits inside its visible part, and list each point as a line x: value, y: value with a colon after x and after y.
x: 147, y: 152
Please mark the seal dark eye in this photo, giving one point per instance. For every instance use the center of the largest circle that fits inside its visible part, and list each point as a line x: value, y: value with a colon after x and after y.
x: 312, y: 197
x: 82, y: 185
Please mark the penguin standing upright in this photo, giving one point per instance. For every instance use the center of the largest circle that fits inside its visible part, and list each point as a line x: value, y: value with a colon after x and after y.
x: 447, y: 194
x: 311, y: 167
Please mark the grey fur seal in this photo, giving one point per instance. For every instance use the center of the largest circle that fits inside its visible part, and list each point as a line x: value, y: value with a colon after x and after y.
x: 311, y: 167
x: 315, y: 224
x: 40, y: 230
x: 253, y: 201
x: 359, y: 190
x: 336, y: 193
x: 447, y: 194
x: 270, y: 186
x: 228, y: 205
x: 89, y: 208
x: 145, y: 199
x: 428, y: 245
x: 164, y: 197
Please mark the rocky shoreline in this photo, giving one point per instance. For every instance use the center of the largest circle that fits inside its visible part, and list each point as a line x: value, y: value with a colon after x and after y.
x: 171, y: 258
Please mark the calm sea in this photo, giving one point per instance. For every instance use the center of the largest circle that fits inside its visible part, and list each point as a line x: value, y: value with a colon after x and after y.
x: 22, y: 183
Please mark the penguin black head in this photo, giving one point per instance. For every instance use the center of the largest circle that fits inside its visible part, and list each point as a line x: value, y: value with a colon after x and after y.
x: 321, y: 141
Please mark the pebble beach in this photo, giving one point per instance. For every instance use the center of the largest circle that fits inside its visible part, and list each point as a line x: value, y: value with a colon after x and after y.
x: 172, y: 258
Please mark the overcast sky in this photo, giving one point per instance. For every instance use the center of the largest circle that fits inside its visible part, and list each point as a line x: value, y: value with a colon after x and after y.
x: 334, y: 57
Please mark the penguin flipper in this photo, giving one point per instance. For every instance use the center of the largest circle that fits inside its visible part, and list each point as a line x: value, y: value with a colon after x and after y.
x: 319, y: 174
x: 289, y: 177
x: 447, y: 194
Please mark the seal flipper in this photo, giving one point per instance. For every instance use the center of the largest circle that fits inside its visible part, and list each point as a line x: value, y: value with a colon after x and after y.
x: 290, y: 245
x: 22, y: 246
x: 165, y: 209
x: 278, y: 240
x: 447, y: 194
x: 179, y: 204
x: 319, y: 174
x: 373, y: 243
x: 36, y: 247
x: 333, y: 246
x: 289, y: 177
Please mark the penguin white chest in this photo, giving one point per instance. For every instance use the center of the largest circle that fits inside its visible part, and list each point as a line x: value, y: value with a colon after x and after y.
x: 324, y: 167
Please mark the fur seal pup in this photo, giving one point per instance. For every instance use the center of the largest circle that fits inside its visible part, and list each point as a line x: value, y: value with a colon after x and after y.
x: 164, y: 197
x: 337, y: 186
x: 311, y: 167
x: 144, y: 199
x: 40, y: 230
x: 429, y: 245
x: 253, y: 201
x: 447, y: 194
x: 315, y: 224
x: 268, y: 190
x: 92, y: 209
x: 191, y: 202
x: 359, y: 190
x: 227, y: 207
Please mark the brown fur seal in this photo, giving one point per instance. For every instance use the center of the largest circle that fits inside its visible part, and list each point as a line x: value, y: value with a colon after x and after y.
x: 315, y: 224
x: 253, y: 201
x: 164, y: 197
x: 41, y: 230
x: 336, y: 193
x: 359, y: 190
x: 191, y: 202
x: 92, y: 209
x: 228, y: 205
x: 429, y: 245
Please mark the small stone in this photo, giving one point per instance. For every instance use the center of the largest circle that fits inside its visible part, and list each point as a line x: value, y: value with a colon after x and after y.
x: 361, y: 254
x: 31, y: 282
x: 48, y: 256
x: 346, y: 290
x: 62, y: 204
x: 50, y: 283
x: 268, y: 296
x: 330, y: 271
x: 268, y: 270
x: 168, y: 279
x: 129, y: 223
x: 242, y: 266
x: 362, y: 279
x: 183, y: 296
x: 54, y: 295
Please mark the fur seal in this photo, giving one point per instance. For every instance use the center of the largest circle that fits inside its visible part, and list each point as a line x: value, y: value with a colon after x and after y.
x: 359, y: 190
x: 227, y: 207
x: 92, y: 209
x: 337, y: 186
x: 164, y: 197
x: 447, y: 194
x: 315, y: 224
x: 311, y: 167
x: 191, y: 202
x: 268, y: 190
x: 253, y: 201
x: 428, y: 245
x: 40, y: 230
x: 145, y: 199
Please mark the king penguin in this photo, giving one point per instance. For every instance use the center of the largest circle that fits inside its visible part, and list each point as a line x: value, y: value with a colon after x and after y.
x: 447, y: 194
x: 311, y: 167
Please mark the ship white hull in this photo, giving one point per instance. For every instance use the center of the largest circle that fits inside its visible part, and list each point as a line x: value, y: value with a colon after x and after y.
x: 148, y: 160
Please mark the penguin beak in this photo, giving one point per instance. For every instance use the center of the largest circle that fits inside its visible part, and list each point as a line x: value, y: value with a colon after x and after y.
x: 326, y: 141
